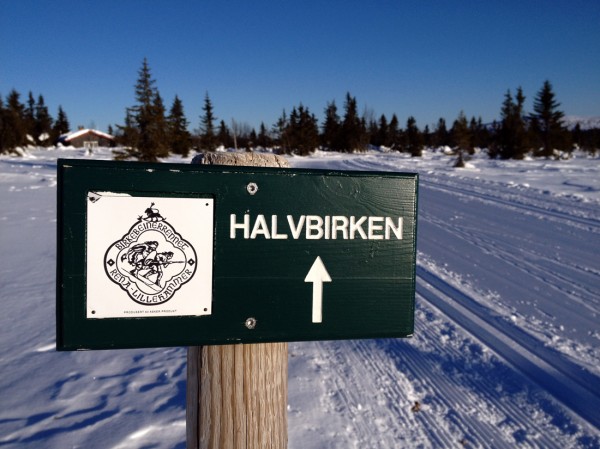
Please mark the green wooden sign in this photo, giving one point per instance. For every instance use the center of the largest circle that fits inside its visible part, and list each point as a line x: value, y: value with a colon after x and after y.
x: 154, y: 255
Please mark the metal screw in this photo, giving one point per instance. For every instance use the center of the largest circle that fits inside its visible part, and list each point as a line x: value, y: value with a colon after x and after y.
x: 252, y: 188
x: 250, y: 323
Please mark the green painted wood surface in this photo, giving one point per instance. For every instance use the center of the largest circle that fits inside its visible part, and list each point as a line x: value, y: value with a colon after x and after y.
x: 373, y: 281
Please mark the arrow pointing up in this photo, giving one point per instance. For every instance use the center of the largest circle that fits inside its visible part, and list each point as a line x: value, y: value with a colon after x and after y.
x: 317, y: 275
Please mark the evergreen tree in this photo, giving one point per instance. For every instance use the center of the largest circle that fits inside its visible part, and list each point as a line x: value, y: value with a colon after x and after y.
x: 208, y: 138
x: 43, y: 122
x: 588, y: 140
x: 461, y: 138
x: 263, y: 139
x: 128, y: 135
x: 300, y: 133
x: 479, y: 134
x: 29, y: 116
x: 413, y: 138
x: 441, y: 136
x: 61, y: 125
x: 252, y: 137
x: 160, y: 124
x: 144, y: 132
x: 308, y: 132
x: 331, y: 136
x: 224, y: 136
x: 512, y: 134
x: 159, y: 131
x: 279, y: 129
x: 180, y: 139
x: 426, y: 137
x: 143, y: 113
x: 354, y: 136
x: 373, y: 132
x: 365, y: 137
x: 382, y: 138
x: 394, y: 134
x: 14, y: 133
x: 548, y: 121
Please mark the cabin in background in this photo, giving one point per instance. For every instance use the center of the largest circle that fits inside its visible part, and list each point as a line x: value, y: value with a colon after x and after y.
x: 87, y: 138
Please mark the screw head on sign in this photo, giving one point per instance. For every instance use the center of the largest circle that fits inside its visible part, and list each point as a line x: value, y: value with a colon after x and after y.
x: 252, y: 188
x: 250, y: 323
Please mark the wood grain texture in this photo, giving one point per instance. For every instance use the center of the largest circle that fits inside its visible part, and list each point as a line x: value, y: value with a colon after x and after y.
x: 237, y: 394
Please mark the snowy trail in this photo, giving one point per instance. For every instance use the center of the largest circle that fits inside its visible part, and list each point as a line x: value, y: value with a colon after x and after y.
x: 577, y: 389
x: 468, y: 397
x: 582, y: 215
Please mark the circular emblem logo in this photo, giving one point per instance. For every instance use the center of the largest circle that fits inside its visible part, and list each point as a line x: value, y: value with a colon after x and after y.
x: 151, y: 261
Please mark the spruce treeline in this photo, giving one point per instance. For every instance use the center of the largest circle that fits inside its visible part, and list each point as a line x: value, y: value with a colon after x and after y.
x: 150, y: 131
x: 514, y: 136
x: 29, y: 123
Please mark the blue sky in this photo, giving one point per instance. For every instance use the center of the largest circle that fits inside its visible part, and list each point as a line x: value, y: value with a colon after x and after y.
x: 424, y: 58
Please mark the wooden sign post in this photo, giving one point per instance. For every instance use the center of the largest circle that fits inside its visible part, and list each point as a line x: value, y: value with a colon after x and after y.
x: 237, y: 394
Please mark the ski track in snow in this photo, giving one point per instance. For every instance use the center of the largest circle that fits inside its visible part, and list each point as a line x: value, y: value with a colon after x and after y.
x: 505, y: 352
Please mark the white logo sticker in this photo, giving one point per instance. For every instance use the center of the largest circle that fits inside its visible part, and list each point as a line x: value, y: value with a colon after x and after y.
x: 155, y: 256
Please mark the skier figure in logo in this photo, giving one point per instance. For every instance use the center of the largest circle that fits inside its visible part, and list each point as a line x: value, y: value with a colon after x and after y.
x: 147, y: 261
x: 155, y: 262
x: 137, y: 255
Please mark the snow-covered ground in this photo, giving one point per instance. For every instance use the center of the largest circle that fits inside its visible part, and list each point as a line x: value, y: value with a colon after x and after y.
x: 506, y: 351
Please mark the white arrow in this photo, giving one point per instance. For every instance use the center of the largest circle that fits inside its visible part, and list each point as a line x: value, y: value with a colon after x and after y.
x: 317, y: 275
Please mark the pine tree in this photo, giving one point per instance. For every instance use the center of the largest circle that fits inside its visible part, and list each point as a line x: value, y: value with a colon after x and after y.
x: 413, y: 138
x: 61, y: 125
x: 279, y: 129
x: 308, y: 132
x: 300, y: 133
x: 224, y: 136
x: 128, y: 135
x: 394, y: 134
x: 29, y: 117
x: 479, y: 134
x: 158, y: 130
x: 382, y: 138
x: 43, y: 122
x: 331, y: 135
x: 426, y: 137
x: 144, y: 132
x: 461, y: 138
x: 180, y: 139
x: 252, y: 137
x: 354, y: 133
x: 512, y: 134
x: 441, y: 136
x: 263, y: 139
x: 373, y: 132
x: 14, y: 132
x: 208, y: 139
x: 143, y: 113
x: 548, y: 121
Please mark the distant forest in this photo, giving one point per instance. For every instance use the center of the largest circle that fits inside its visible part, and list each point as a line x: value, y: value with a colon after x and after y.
x: 150, y: 132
